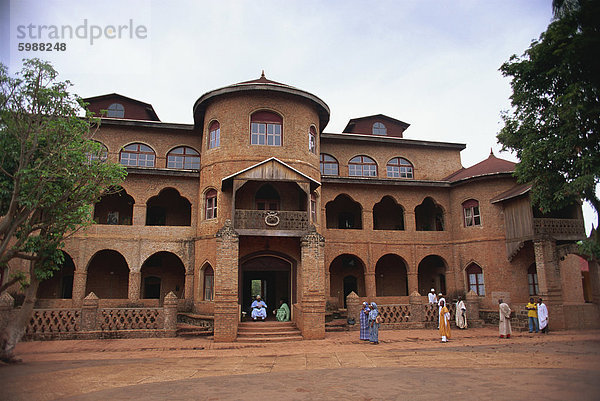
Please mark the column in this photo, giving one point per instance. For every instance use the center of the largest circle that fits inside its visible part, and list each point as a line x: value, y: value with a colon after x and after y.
x: 188, y: 292
x: 79, y: 283
x: 353, y: 306
x: 89, y: 313
x: 313, y: 285
x: 139, y: 214
x: 226, y: 284
x: 549, y: 281
x: 135, y: 284
x: 370, y: 286
x: 170, y: 311
x: 413, y: 282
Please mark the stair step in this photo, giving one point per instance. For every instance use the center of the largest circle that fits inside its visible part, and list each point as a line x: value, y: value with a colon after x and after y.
x: 269, y: 339
x: 269, y: 334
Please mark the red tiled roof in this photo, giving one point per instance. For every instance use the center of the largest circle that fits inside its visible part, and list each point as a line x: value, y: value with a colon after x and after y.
x: 515, y: 191
x: 491, y: 165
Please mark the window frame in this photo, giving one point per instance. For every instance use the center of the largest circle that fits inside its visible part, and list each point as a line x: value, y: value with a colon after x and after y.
x: 379, y: 128
x: 353, y: 165
x: 471, y: 213
x: 119, y: 109
x: 405, y: 170
x: 102, y: 158
x: 209, y: 291
x: 138, y: 152
x: 214, y: 135
x: 313, y: 208
x: 210, y: 204
x: 323, y: 163
x: 266, y: 128
x: 312, y: 140
x: 185, y: 156
x: 475, y: 279
x: 532, y: 281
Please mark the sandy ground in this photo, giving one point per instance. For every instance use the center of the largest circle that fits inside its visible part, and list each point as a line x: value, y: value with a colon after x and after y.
x: 406, y: 365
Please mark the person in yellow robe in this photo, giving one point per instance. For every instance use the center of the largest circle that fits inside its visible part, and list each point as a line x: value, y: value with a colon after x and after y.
x: 444, y: 321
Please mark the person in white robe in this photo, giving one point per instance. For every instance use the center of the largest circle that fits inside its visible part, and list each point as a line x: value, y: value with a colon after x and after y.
x: 259, y: 309
x: 461, y: 314
x: 543, y: 316
x: 504, y: 326
x: 432, y: 298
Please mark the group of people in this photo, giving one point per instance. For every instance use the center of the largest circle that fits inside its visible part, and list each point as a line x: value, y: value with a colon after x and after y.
x: 537, y: 316
x: 259, y: 310
x: 444, y: 314
x: 370, y: 319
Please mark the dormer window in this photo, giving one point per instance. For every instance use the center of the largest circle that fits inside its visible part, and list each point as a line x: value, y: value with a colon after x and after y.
x: 379, y: 129
x: 115, y: 110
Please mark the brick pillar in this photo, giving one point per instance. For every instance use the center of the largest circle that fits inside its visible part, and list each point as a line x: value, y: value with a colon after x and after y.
x: 189, y: 288
x: 313, y: 285
x: 472, y: 302
x: 135, y: 286
x: 139, y: 214
x: 89, y: 313
x: 170, y: 311
x: 413, y: 282
x: 354, y: 307
x: 226, y: 284
x: 549, y: 281
x: 370, y: 286
x: 417, y: 308
x: 79, y: 283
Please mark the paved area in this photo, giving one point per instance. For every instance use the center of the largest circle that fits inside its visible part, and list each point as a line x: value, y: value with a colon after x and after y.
x: 406, y: 365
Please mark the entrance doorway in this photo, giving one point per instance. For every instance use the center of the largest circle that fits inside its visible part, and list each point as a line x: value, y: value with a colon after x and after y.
x: 271, y: 278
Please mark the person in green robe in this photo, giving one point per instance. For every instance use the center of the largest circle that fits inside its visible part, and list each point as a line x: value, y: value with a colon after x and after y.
x: 283, y: 313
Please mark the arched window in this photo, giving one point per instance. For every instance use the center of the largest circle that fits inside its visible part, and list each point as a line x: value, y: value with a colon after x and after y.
x: 379, y: 129
x: 115, y: 110
x: 362, y: 166
x: 266, y: 128
x: 137, y: 155
x: 471, y: 213
x: 211, y: 204
x: 312, y: 140
x: 183, y: 157
x: 98, y: 156
x: 209, y: 283
x: 329, y: 165
x: 532, y: 280
x: 214, y: 135
x: 399, y: 168
x: 475, y: 275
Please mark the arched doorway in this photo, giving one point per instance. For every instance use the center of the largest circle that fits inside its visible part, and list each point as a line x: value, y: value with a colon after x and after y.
x: 60, y: 285
x: 271, y: 277
x: 108, y: 275
x: 346, y: 274
x: 390, y: 276
x: 432, y: 274
x: 162, y: 273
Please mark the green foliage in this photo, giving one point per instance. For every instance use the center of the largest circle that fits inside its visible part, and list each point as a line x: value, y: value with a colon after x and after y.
x: 48, y: 179
x: 554, y: 125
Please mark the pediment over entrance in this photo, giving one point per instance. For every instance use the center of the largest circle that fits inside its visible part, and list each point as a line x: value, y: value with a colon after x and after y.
x: 271, y: 169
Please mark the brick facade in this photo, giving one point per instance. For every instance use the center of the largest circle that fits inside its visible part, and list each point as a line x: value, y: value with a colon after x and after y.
x: 389, y: 255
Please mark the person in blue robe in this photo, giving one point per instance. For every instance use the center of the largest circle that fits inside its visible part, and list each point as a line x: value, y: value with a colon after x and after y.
x: 374, y: 324
x: 259, y: 309
x: 364, y: 321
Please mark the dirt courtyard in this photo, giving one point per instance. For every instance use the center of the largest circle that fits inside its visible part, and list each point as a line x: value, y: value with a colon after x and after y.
x: 406, y: 365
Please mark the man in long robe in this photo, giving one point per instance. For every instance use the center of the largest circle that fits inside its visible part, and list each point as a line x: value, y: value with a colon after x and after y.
x: 504, y: 326
x: 444, y: 321
x: 283, y: 313
x: 259, y: 309
x: 542, y: 312
x: 461, y: 314
x: 364, y: 321
x: 431, y: 297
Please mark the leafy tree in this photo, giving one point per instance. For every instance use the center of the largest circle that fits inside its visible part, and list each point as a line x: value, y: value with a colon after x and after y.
x: 51, y: 173
x: 554, y: 126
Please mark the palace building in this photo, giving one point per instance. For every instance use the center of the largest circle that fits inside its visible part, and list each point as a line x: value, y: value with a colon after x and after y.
x: 256, y: 197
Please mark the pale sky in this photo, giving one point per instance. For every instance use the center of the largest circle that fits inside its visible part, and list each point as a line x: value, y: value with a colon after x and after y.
x: 431, y: 63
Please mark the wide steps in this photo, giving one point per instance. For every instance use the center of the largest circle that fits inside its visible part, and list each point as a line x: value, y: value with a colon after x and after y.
x: 259, y: 331
x: 190, y: 330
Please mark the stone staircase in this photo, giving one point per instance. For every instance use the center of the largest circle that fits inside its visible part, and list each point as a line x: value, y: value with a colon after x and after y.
x: 337, y: 325
x: 268, y: 331
x: 192, y: 325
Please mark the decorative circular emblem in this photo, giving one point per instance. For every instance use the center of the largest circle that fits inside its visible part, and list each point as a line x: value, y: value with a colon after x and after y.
x: 271, y: 219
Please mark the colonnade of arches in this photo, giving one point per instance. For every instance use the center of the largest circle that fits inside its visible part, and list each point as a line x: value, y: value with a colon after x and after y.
x: 109, y: 276
x: 345, y: 213
x: 167, y: 208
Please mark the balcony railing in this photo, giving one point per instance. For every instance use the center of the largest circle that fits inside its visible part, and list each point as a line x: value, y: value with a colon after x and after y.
x: 567, y: 229
x: 271, y: 220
